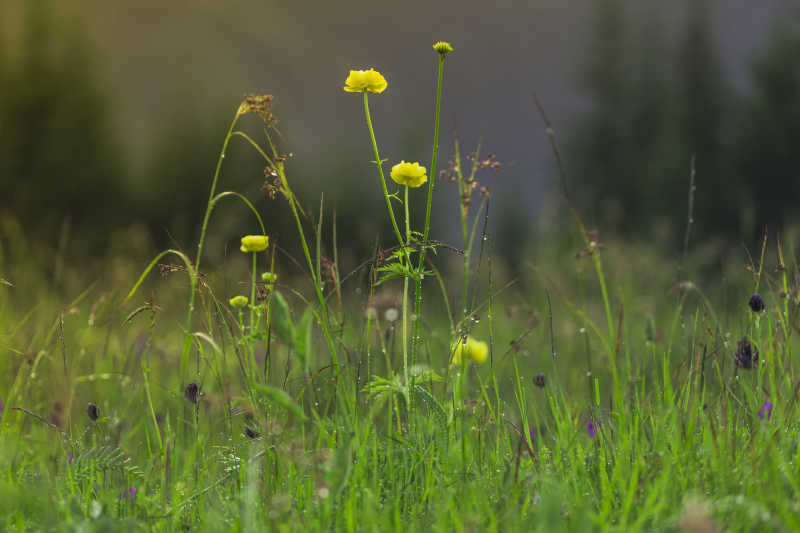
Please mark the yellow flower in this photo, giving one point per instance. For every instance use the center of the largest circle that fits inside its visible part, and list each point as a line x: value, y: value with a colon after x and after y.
x: 360, y: 81
x: 254, y: 243
x: 411, y: 174
x: 269, y: 277
x: 443, y: 47
x: 476, y: 350
x: 238, y: 301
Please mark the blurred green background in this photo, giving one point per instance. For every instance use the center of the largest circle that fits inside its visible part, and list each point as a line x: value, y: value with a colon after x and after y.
x: 112, y: 115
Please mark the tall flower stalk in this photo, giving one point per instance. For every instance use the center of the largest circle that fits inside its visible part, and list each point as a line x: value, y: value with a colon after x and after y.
x: 408, y: 175
x: 442, y: 48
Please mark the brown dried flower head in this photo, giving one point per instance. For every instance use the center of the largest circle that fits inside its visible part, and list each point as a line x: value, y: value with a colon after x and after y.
x: 260, y: 104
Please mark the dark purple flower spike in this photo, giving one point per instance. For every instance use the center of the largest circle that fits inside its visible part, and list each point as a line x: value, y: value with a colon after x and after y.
x: 191, y: 392
x: 756, y: 303
x: 746, y: 355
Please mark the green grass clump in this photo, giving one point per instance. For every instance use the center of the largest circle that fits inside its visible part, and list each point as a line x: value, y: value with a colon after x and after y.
x: 290, y: 396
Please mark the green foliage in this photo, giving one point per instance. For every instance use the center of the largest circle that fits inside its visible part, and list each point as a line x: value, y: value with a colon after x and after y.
x: 647, y: 419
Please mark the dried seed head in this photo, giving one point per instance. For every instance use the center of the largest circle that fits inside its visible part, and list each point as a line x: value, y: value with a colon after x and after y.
x: 191, y: 392
x: 93, y: 412
x: 260, y: 104
x: 756, y: 303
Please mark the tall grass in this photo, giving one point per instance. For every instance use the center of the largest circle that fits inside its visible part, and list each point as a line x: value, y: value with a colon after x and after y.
x: 590, y: 398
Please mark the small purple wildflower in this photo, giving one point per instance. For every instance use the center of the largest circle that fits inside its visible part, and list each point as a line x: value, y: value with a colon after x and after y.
x: 540, y: 380
x: 592, y: 427
x: 746, y: 355
x: 130, y: 494
x: 756, y: 303
x: 92, y: 412
x: 766, y: 411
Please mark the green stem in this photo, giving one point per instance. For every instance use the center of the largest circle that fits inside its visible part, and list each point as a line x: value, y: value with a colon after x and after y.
x: 405, y: 294
x: 207, y: 215
x: 187, y: 343
x: 253, y: 296
x: 253, y: 324
x: 426, y: 231
x: 380, y: 170
x: 315, y: 280
x: 432, y: 176
x: 325, y: 322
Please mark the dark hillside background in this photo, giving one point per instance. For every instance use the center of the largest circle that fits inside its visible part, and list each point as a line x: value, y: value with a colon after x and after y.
x: 112, y: 113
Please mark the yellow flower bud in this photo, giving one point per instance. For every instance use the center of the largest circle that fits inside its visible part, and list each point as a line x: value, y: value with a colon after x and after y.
x: 254, y: 243
x: 443, y: 47
x: 477, y: 351
x: 238, y: 301
x: 360, y: 81
x: 411, y: 174
x: 269, y: 277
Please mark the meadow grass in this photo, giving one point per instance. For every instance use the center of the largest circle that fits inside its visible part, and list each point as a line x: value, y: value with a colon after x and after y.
x: 582, y: 395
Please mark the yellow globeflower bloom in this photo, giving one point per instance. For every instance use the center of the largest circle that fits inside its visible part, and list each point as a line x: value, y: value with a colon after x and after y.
x: 360, y: 81
x: 238, y: 301
x: 476, y: 350
x: 254, y: 243
x: 411, y: 174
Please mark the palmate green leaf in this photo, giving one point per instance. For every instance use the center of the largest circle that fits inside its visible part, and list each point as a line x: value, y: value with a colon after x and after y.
x: 390, y: 272
x: 423, y: 374
x: 280, y: 398
x: 398, y: 271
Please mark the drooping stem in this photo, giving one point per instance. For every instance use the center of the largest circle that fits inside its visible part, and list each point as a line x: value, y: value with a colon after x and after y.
x: 187, y: 343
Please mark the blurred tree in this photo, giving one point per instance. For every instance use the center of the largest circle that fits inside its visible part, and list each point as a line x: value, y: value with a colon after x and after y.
x: 647, y: 122
x: 769, y: 145
x: 705, y: 115
x: 60, y: 157
x: 603, y: 173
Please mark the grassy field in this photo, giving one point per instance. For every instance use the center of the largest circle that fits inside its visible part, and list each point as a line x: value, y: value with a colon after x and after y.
x: 605, y: 388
